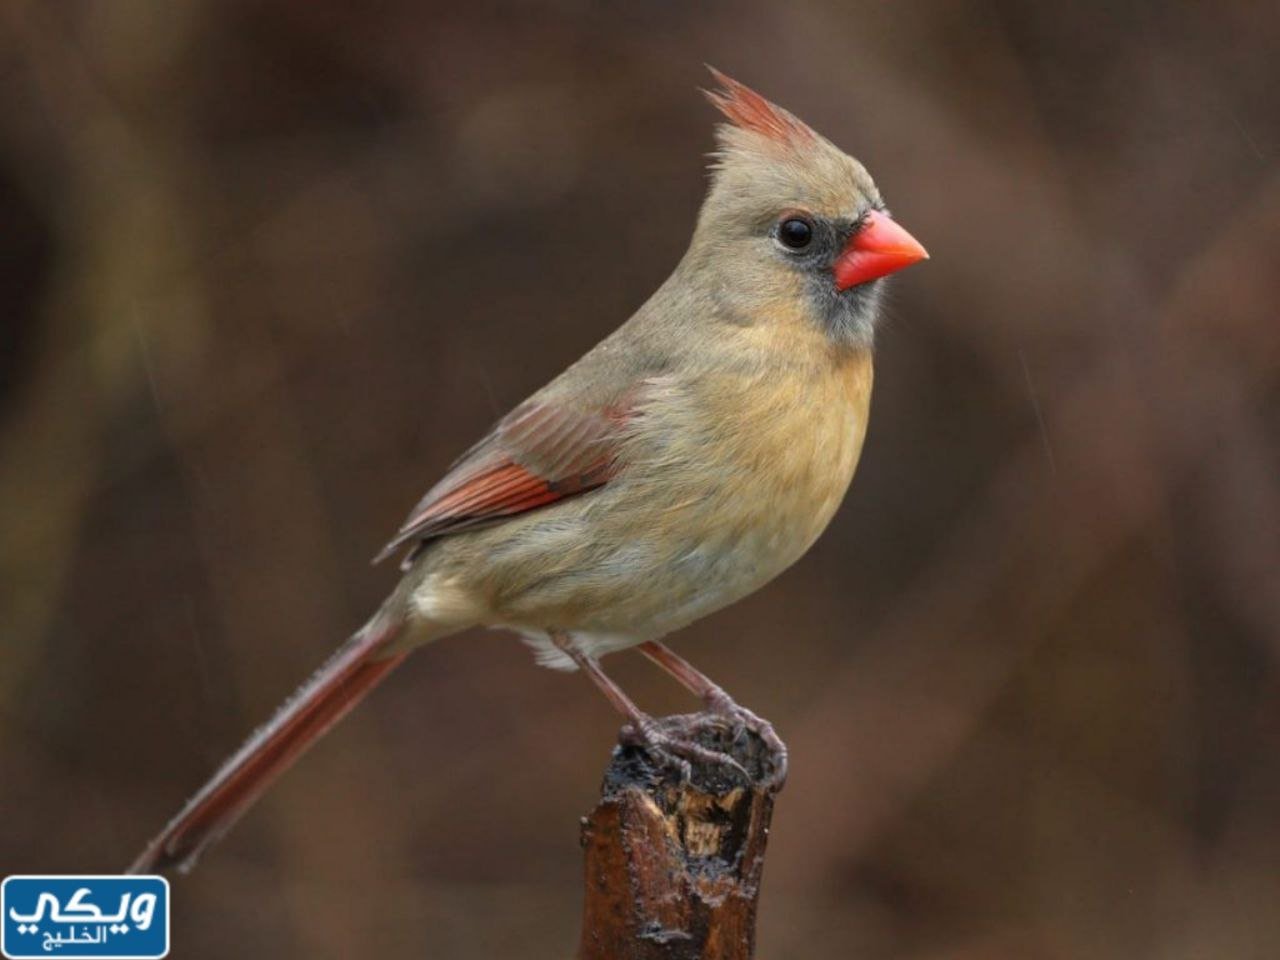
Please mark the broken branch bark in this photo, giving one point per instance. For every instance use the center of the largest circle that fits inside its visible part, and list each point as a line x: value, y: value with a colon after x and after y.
x: 673, y: 866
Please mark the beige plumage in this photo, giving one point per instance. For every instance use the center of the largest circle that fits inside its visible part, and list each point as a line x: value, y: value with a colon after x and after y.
x: 685, y: 461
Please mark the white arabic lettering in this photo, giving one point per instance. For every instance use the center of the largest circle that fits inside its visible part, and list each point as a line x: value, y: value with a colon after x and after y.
x: 143, y: 910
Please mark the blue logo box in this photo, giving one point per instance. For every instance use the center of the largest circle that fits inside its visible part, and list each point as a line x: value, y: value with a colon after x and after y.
x: 122, y: 918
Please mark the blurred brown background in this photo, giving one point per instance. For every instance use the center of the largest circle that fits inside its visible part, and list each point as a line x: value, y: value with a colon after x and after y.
x: 266, y: 267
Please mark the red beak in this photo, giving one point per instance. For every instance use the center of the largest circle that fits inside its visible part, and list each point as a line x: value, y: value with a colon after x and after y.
x: 879, y: 248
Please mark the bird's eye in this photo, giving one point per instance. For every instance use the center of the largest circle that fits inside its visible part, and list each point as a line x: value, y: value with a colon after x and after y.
x: 795, y: 233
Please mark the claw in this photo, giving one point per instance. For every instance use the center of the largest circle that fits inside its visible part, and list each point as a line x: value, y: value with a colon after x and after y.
x: 744, y: 719
x: 678, y: 752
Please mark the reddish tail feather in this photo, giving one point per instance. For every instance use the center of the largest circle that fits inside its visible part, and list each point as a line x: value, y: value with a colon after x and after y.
x: 344, y: 680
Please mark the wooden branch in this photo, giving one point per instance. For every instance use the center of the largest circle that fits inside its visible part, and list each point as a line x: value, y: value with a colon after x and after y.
x: 673, y: 868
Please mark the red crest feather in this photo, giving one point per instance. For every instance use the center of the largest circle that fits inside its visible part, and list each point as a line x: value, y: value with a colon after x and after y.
x: 748, y: 110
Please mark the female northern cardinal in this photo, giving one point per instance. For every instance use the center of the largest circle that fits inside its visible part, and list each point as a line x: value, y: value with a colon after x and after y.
x: 688, y: 459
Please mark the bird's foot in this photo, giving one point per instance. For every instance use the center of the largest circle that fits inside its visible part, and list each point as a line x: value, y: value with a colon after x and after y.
x: 676, y: 750
x: 720, y: 704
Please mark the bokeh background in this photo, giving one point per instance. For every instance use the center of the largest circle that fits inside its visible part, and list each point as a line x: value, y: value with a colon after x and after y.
x: 266, y: 267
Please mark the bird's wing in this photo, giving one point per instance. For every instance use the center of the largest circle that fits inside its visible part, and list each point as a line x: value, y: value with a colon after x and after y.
x: 542, y: 452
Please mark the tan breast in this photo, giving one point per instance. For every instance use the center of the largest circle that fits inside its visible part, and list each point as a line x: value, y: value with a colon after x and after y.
x: 794, y: 448
x: 761, y: 456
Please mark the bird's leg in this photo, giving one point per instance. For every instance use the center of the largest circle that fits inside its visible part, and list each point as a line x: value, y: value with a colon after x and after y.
x: 642, y: 729
x: 717, y: 701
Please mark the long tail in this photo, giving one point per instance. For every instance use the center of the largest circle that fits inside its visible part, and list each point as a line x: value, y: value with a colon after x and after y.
x: 354, y: 670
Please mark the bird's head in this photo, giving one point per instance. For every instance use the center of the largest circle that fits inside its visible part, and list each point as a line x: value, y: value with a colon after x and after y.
x: 791, y: 218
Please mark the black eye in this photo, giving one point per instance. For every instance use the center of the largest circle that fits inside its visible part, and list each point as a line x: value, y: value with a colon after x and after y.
x: 795, y: 233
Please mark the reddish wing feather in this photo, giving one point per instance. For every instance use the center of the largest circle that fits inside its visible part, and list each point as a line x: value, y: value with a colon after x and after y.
x: 539, y: 454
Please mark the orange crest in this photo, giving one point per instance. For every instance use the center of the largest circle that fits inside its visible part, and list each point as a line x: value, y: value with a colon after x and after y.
x: 747, y: 110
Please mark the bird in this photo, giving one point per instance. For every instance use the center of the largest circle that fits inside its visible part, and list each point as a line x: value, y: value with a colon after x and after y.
x: 682, y: 463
